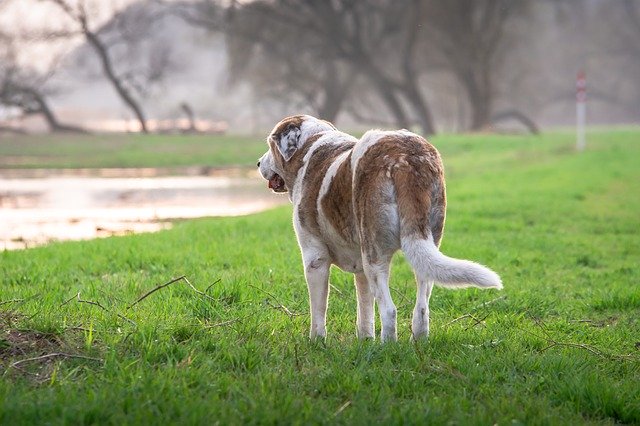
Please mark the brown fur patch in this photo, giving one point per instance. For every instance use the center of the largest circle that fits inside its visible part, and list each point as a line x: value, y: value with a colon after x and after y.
x: 415, y: 169
x: 312, y: 181
x: 337, y: 203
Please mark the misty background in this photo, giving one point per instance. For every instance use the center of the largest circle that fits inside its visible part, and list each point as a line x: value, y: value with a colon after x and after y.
x: 239, y: 66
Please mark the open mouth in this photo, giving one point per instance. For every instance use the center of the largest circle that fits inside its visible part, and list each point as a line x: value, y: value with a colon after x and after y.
x: 276, y: 183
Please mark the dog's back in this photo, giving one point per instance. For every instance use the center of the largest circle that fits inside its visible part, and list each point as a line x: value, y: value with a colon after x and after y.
x: 399, y: 201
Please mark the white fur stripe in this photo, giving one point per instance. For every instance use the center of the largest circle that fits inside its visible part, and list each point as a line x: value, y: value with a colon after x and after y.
x: 366, y: 141
x: 332, y: 137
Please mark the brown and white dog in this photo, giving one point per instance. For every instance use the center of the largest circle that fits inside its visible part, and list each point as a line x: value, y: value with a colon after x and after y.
x: 356, y: 202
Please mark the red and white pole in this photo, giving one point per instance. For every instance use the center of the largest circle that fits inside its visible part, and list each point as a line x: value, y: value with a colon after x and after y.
x: 581, y: 110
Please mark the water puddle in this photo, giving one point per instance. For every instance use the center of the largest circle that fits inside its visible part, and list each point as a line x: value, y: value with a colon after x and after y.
x: 44, y: 207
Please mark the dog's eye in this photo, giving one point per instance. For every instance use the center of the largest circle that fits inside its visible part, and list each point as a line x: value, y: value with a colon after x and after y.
x: 258, y: 163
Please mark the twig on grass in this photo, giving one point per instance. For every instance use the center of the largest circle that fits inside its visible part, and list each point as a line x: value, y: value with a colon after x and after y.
x: 6, y: 302
x: 490, y: 302
x: 98, y: 304
x: 212, y: 284
x: 478, y: 321
x: 111, y: 296
x: 278, y: 305
x: 77, y: 295
x: 342, y: 408
x: 153, y: 290
x: 84, y: 329
x: 21, y: 300
x: 584, y: 346
x: 17, y: 364
x: 175, y: 280
x: 336, y: 289
x: 223, y: 323
x: 201, y: 293
x: 551, y: 342
x: 460, y: 318
x: 404, y: 298
x: 473, y: 317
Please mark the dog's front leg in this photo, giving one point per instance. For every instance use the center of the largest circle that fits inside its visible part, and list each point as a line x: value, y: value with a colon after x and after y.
x: 316, y: 270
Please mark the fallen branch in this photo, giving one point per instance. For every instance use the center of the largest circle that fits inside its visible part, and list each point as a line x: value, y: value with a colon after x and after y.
x: 551, y: 342
x: 175, y: 280
x: 404, y: 298
x: 212, y: 284
x: 201, y: 293
x: 478, y: 321
x: 473, y: 317
x: 98, y: 304
x: 150, y: 292
x: 53, y: 355
x: 5, y: 302
x: 490, y: 302
x: 70, y: 299
x: 336, y: 289
x: 278, y: 305
x: 223, y: 323
x: 584, y: 346
x: 22, y: 300
x: 342, y: 408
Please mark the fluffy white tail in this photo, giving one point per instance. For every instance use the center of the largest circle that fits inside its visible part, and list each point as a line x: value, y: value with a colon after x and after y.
x: 429, y: 263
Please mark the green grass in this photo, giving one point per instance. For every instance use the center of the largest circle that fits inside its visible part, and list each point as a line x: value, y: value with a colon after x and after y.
x: 92, y: 151
x: 562, y: 229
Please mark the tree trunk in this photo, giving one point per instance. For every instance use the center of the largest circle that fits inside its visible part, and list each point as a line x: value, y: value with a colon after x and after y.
x: 188, y: 111
x: 479, y: 98
x: 49, y: 116
x: 517, y: 115
x: 391, y: 101
x: 410, y: 85
x: 107, y: 67
x: 422, y: 110
x: 335, y: 92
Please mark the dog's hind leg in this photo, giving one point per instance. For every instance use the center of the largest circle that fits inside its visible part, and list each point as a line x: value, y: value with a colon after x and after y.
x: 366, y: 309
x: 377, y: 274
x: 420, y: 322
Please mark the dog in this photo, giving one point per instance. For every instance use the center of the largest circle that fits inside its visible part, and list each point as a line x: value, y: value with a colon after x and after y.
x: 357, y: 202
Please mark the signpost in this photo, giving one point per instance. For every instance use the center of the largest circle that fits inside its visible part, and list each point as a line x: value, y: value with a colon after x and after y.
x: 581, y: 110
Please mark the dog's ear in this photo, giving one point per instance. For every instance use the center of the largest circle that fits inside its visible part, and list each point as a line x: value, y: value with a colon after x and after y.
x: 288, y: 141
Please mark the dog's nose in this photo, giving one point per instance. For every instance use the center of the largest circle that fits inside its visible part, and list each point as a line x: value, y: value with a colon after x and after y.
x: 258, y: 163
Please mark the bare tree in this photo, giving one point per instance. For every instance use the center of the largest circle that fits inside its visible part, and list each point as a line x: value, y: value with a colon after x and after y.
x: 380, y: 40
x: 617, y: 48
x: 316, y: 50
x: 121, y: 83
x: 26, y: 90
x: 471, y: 35
x: 273, y: 59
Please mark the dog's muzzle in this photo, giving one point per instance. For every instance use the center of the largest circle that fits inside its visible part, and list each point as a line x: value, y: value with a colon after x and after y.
x: 276, y: 183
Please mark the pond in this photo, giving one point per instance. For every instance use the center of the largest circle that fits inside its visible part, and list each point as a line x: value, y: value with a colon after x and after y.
x: 40, y: 206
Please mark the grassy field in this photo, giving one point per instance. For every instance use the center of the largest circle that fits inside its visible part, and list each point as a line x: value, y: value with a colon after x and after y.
x: 73, y: 151
x: 559, y: 345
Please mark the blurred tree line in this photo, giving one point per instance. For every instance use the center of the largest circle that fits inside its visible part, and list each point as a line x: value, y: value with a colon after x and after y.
x: 403, y: 63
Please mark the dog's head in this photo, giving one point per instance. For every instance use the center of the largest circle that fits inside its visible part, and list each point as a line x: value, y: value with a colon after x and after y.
x: 284, y: 140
